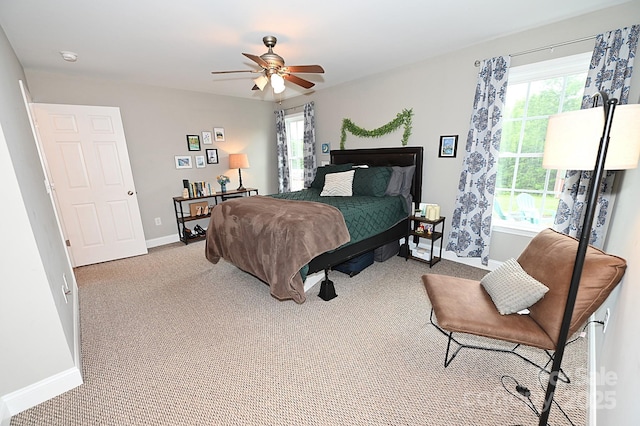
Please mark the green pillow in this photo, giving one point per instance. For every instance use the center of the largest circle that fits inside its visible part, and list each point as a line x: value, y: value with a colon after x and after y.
x: 371, y: 181
x: 318, y: 181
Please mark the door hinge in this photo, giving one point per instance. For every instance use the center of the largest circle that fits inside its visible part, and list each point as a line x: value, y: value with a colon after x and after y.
x: 68, y: 243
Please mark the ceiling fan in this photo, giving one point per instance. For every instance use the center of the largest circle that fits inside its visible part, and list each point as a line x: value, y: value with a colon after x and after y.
x: 274, y: 70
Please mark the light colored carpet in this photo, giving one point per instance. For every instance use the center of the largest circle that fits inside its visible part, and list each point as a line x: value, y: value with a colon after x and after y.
x: 170, y: 339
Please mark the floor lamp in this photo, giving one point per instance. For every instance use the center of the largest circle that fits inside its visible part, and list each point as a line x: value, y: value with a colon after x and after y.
x: 577, y: 140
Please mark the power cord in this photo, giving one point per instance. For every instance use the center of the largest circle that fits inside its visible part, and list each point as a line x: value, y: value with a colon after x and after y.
x: 523, y: 392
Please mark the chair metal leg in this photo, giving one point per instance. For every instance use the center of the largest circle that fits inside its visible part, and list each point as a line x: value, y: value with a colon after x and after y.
x: 448, y: 359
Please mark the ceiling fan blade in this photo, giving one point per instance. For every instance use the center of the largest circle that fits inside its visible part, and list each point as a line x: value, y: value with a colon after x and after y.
x: 229, y: 72
x: 257, y: 59
x: 299, y: 81
x: 305, y: 69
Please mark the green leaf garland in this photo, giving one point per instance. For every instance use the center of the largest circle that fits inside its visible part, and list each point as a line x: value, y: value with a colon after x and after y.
x: 403, y: 118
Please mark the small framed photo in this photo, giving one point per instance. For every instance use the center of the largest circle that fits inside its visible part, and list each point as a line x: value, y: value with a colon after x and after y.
x: 325, y: 148
x: 183, y: 162
x: 218, y: 134
x: 448, y: 146
x: 200, y: 164
x: 193, y: 142
x: 207, y: 138
x: 212, y: 156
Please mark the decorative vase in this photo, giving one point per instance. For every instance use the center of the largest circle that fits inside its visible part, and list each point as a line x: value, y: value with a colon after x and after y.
x: 223, y: 187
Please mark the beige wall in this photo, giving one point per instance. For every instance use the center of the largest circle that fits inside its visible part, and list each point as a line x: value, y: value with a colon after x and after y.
x: 156, y: 121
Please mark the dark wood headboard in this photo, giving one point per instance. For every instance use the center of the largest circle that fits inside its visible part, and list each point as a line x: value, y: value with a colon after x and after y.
x: 406, y: 156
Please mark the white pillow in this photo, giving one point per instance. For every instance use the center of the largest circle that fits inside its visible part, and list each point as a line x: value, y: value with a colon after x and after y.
x: 338, y: 184
x: 511, y: 288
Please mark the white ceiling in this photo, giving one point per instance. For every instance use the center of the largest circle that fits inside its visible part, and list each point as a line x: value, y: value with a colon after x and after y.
x: 178, y: 43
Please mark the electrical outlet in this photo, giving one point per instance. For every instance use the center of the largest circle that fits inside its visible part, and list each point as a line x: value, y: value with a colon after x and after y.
x: 607, y: 315
x: 158, y: 221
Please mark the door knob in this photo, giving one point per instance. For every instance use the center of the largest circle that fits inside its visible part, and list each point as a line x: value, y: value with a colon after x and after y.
x: 130, y: 192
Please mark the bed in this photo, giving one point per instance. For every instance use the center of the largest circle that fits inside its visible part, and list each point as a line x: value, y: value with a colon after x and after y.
x: 249, y: 233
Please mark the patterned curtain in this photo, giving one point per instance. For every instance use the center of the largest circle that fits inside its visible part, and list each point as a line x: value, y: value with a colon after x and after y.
x: 283, y: 155
x: 309, y: 144
x: 610, y: 71
x: 471, y: 223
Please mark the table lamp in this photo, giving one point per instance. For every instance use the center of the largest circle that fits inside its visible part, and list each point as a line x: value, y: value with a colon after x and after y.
x: 239, y: 161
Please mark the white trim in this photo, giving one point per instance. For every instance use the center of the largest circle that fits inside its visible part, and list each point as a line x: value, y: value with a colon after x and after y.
x: 505, y: 229
x: 470, y: 261
x: 552, y: 68
x: 155, y: 242
x: 312, y: 280
x: 5, y: 417
x: 592, y: 414
x: 37, y: 393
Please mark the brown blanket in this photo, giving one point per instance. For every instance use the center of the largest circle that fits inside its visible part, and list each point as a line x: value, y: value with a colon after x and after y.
x: 273, y: 239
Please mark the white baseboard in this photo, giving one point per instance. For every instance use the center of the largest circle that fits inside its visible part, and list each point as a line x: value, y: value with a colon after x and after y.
x: 5, y: 417
x: 32, y: 395
x: 162, y: 240
x: 592, y: 415
x: 470, y: 261
x: 312, y: 280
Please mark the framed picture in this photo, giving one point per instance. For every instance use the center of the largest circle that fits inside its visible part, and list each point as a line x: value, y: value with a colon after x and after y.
x: 448, y: 146
x: 183, y: 162
x: 193, y: 142
x: 207, y: 138
x: 200, y: 162
x: 325, y: 148
x: 212, y: 156
x: 218, y: 134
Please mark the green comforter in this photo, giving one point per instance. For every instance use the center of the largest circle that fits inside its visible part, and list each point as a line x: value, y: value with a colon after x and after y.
x: 365, y: 216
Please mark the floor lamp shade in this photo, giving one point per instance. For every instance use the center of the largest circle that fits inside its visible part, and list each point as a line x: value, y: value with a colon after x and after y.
x: 573, y: 139
x: 239, y: 161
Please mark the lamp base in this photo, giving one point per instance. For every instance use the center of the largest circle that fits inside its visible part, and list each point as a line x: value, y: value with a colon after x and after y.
x: 241, y: 188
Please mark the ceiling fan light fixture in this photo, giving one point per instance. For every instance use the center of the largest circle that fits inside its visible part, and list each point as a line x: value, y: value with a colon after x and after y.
x: 261, y: 82
x: 277, y: 82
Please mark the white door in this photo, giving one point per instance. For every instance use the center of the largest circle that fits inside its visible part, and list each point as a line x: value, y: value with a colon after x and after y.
x: 88, y: 164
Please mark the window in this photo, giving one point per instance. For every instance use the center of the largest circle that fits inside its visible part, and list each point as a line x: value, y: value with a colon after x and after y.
x: 527, y: 195
x: 295, y: 135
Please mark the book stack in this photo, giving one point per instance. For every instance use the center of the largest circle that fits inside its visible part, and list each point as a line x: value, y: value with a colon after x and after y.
x: 198, y: 188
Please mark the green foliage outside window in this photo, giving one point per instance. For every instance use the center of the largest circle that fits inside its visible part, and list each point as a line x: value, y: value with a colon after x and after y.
x: 527, y: 109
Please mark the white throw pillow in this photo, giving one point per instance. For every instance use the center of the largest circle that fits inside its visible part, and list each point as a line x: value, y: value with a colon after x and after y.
x: 338, y: 184
x: 511, y: 288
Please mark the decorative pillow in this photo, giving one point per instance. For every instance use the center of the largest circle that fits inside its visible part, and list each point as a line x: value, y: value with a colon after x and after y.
x: 371, y: 181
x: 400, y: 184
x: 338, y: 184
x: 318, y: 181
x: 511, y: 288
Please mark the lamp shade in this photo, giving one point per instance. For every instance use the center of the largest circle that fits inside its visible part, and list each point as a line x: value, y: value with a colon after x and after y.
x: 261, y: 81
x: 573, y: 139
x: 238, y: 161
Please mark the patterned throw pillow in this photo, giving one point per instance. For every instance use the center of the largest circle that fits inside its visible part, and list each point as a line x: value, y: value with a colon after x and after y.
x: 321, y: 172
x: 511, y: 288
x: 371, y: 181
x: 338, y: 184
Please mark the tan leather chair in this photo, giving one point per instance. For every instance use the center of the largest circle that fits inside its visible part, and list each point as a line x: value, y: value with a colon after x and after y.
x: 463, y: 306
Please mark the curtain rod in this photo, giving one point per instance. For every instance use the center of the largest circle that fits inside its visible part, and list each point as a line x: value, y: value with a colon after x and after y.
x: 293, y: 107
x: 549, y: 47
